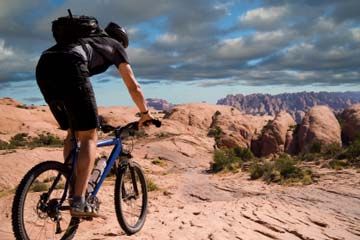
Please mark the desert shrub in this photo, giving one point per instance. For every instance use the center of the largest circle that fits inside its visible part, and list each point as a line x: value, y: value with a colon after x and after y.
x: 23, y: 140
x: 230, y: 159
x: 268, y: 126
x: 282, y: 170
x: 338, y: 164
x: 315, y: 147
x: 225, y: 159
x: 159, y: 162
x: 215, y: 132
x: 39, y: 187
x: 4, y: 145
x: 151, y: 185
x: 308, y: 157
x: 352, y: 153
x: 331, y: 150
x: 256, y: 171
x: 286, y: 166
x: 46, y: 140
x: 18, y: 140
x: 23, y: 106
x: 244, y: 153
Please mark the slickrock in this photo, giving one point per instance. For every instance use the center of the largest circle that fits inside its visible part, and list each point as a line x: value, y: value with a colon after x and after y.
x: 275, y: 135
x: 318, y: 126
x: 351, y: 123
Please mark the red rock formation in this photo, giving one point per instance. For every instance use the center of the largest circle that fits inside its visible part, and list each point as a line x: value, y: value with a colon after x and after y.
x: 318, y: 126
x: 276, y: 135
x: 351, y: 123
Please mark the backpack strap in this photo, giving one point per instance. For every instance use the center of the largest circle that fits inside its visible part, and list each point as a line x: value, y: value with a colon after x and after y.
x: 86, y: 50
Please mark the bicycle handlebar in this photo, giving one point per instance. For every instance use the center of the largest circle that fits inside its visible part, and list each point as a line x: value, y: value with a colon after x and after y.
x: 130, y: 126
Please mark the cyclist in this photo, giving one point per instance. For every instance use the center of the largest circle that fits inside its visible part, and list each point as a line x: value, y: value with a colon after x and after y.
x: 62, y: 75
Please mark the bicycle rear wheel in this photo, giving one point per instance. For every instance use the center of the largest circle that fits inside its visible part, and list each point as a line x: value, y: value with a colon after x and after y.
x: 131, y: 198
x: 37, y: 212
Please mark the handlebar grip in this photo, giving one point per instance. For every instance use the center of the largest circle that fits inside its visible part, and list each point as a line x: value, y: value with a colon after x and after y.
x: 155, y: 122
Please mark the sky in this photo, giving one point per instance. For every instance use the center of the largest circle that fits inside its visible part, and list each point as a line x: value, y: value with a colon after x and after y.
x: 193, y: 51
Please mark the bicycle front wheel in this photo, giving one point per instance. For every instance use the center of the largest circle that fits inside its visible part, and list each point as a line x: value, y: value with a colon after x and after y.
x: 131, y: 198
x: 38, y: 211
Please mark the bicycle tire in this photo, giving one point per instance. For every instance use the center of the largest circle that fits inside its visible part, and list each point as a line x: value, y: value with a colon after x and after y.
x: 22, y: 192
x: 120, y: 178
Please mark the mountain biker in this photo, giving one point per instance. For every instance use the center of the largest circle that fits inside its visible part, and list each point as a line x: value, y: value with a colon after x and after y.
x: 62, y: 74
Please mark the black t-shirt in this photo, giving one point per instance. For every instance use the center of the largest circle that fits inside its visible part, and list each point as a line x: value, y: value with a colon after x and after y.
x: 98, y: 53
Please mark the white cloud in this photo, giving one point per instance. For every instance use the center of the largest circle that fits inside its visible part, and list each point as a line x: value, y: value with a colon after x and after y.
x: 258, y: 45
x: 5, y: 52
x: 264, y: 16
x: 356, y: 34
x: 324, y: 25
x: 167, y: 38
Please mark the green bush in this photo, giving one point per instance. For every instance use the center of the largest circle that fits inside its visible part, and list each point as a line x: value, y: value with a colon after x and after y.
x: 225, y: 159
x: 230, y: 159
x: 331, y: 150
x: 286, y: 166
x: 308, y: 157
x: 45, y: 140
x: 39, y: 187
x: 23, y: 140
x: 256, y: 171
x: 215, y: 132
x: 4, y: 145
x: 18, y: 140
x: 282, y: 170
x: 338, y: 164
x: 159, y: 162
x: 352, y: 153
x: 315, y: 147
x: 151, y: 185
x: 244, y: 153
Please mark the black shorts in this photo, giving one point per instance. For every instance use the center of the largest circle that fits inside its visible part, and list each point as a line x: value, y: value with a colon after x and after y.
x: 64, y: 81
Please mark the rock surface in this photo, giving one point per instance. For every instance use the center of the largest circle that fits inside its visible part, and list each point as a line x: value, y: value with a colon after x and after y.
x: 237, y: 129
x: 275, y: 135
x: 318, y: 126
x: 190, y: 203
x: 351, y: 123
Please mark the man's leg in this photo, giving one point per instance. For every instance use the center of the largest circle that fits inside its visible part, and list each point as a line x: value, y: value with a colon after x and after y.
x: 86, y: 160
x: 67, y: 144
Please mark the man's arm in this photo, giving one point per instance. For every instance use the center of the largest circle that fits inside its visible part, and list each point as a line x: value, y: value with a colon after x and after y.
x: 134, y: 89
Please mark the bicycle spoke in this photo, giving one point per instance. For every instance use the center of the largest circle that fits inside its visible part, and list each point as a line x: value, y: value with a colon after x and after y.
x: 41, y: 211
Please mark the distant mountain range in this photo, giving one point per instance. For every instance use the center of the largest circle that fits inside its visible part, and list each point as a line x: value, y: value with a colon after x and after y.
x: 294, y: 103
x: 159, y: 104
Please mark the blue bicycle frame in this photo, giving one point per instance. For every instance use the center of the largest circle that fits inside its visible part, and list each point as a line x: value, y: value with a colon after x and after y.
x: 116, y: 142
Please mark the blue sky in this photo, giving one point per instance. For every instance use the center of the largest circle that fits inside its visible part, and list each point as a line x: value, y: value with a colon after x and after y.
x: 193, y: 51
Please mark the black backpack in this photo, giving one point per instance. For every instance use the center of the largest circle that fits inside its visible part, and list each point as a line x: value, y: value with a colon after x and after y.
x: 71, y: 28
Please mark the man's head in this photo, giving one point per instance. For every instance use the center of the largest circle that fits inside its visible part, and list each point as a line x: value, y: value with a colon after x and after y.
x: 118, y: 33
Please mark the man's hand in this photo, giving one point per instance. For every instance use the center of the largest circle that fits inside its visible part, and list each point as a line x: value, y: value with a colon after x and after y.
x: 144, y: 118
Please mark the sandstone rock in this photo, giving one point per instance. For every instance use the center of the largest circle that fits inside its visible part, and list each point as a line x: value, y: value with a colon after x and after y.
x: 318, y: 126
x: 237, y: 129
x: 198, y: 115
x: 275, y: 134
x: 351, y: 123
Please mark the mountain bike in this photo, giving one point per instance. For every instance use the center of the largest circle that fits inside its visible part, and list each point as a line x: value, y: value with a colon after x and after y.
x: 41, y: 206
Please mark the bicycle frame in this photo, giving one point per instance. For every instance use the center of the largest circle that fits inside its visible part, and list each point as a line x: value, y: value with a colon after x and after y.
x: 115, y: 153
